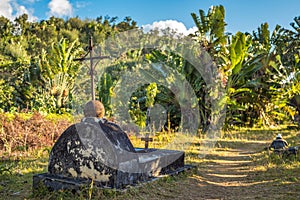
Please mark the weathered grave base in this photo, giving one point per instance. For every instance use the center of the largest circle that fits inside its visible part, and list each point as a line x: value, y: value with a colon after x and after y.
x: 54, y: 182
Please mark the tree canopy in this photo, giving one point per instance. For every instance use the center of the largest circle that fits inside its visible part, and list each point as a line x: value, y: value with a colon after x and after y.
x: 258, y: 70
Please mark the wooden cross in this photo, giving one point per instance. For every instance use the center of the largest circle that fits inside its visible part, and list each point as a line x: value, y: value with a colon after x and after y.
x: 147, y: 139
x: 92, y: 66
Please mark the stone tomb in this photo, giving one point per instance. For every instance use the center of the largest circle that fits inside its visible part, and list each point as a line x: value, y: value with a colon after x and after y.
x: 100, y: 151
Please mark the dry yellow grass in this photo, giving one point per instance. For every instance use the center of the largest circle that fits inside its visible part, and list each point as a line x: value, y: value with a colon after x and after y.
x: 237, y: 168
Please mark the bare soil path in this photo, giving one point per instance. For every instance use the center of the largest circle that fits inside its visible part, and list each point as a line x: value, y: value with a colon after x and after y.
x: 231, y: 173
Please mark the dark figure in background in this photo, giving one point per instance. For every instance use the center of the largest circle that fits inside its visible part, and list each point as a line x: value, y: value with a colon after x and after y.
x: 279, y: 144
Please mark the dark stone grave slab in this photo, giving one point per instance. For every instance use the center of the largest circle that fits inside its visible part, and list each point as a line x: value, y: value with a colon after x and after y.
x: 96, y: 149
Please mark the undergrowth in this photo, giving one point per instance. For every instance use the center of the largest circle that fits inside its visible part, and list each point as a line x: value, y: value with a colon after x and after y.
x: 21, y: 133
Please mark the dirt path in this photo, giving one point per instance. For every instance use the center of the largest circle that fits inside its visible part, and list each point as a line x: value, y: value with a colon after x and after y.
x: 231, y: 173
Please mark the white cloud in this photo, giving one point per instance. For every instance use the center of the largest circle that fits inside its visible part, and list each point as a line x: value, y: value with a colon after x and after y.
x: 82, y: 4
x: 11, y: 9
x: 173, y: 25
x: 60, y: 8
x: 6, y: 9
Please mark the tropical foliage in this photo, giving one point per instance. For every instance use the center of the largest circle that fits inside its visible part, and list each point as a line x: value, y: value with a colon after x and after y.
x: 259, y: 71
x: 37, y: 67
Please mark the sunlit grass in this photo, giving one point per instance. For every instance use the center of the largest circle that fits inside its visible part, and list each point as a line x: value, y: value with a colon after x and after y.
x: 266, y: 168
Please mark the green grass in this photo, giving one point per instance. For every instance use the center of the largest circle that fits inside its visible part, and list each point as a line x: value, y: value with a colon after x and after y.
x: 16, y: 172
x: 16, y: 176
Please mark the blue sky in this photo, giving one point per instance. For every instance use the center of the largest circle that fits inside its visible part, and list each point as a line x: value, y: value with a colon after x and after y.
x: 241, y: 15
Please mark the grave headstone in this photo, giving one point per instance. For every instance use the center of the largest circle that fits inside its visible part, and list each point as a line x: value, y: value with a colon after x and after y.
x: 100, y: 151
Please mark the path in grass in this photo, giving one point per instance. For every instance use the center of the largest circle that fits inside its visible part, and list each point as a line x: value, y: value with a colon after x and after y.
x: 231, y: 173
x: 226, y: 173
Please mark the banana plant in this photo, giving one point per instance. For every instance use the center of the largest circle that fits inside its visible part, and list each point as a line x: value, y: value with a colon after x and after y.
x: 245, y: 71
x: 284, y: 86
x: 59, y: 70
x: 238, y: 70
x: 283, y: 71
x: 211, y: 29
